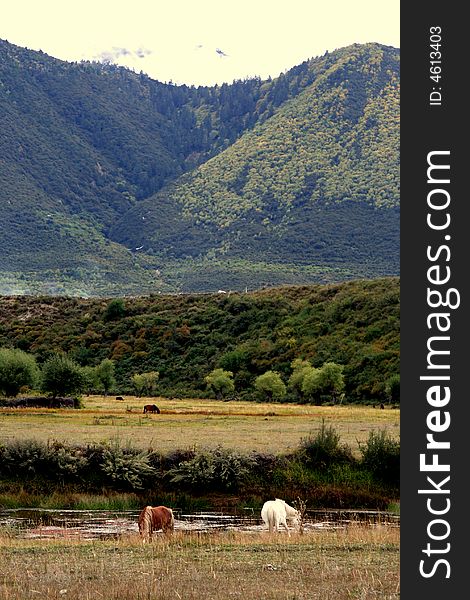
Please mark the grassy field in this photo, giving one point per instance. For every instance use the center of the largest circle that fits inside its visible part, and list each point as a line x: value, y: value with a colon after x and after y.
x: 359, y: 562
x: 245, y: 426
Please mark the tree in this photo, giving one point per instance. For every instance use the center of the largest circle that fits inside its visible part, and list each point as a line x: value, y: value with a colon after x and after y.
x: 270, y: 386
x: 62, y: 376
x: 150, y: 381
x: 323, y: 383
x: 145, y: 382
x: 90, y: 380
x: 392, y: 389
x: 105, y: 375
x: 17, y: 369
x: 300, y: 369
x: 220, y: 382
x: 138, y: 381
x: 116, y: 309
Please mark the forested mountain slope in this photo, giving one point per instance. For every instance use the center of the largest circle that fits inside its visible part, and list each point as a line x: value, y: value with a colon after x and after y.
x: 113, y: 183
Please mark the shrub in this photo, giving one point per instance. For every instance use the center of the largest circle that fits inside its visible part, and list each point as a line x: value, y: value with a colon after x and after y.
x: 381, y: 456
x: 324, y: 449
x: 326, y: 383
x: 23, y: 458
x: 220, y: 382
x: 116, y: 309
x: 392, y: 389
x: 126, y: 468
x: 219, y: 469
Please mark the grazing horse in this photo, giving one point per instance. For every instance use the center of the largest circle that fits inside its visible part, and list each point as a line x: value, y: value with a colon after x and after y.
x: 151, y: 408
x: 276, y: 512
x: 153, y: 518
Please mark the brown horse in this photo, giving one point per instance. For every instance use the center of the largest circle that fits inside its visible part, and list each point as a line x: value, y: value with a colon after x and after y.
x: 153, y: 518
x: 151, y: 408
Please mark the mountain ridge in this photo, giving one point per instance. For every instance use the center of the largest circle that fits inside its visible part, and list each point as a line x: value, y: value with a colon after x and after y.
x: 88, y: 152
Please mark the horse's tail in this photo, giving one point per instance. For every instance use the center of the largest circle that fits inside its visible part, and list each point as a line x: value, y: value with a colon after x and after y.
x: 145, y: 523
x: 172, y: 520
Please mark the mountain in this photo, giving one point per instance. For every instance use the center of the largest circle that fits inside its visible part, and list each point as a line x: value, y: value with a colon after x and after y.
x: 112, y: 183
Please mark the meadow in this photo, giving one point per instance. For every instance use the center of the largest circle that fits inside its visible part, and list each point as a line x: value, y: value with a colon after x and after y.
x: 356, y: 562
x: 189, y: 423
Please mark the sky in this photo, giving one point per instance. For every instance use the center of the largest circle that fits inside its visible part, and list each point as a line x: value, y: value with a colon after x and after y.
x: 200, y: 42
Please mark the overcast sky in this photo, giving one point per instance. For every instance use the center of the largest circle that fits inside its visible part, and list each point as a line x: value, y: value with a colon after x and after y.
x: 199, y: 42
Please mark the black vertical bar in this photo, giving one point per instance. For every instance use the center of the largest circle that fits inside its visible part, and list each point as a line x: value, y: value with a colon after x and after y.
x: 434, y: 523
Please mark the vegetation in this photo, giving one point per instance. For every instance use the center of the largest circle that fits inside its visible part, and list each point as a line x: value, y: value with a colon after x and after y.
x: 17, y: 370
x: 215, y: 566
x: 270, y: 386
x: 268, y: 428
x: 220, y: 382
x: 61, y: 376
x: 354, y: 325
x: 320, y: 470
x: 147, y: 187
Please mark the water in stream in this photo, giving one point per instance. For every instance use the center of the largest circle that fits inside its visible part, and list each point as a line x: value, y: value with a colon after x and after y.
x: 97, y: 524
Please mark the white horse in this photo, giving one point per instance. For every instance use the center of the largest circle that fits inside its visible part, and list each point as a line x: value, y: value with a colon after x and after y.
x: 277, y: 512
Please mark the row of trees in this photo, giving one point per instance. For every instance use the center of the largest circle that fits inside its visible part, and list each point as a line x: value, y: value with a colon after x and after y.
x: 61, y: 376
x: 305, y: 384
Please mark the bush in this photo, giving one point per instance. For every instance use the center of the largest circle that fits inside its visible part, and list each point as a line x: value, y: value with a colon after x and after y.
x: 126, y: 468
x: 116, y: 309
x: 324, y: 384
x: 23, y: 459
x: 220, y: 382
x: 323, y: 449
x: 218, y: 469
x: 381, y: 456
x: 392, y: 389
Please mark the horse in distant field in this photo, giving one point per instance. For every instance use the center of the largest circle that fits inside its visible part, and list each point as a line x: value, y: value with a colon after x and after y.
x: 151, y: 408
x: 119, y: 398
x: 154, y: 518
x: 277, y: 512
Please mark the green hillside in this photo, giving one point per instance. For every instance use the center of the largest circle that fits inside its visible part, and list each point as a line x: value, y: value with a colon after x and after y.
x: 316, y: 184
x: 183, y: 337
x: 112, y: 183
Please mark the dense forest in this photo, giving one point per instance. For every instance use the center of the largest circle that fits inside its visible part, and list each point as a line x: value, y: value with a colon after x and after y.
x: 184, y: 337
x: 112, y: 183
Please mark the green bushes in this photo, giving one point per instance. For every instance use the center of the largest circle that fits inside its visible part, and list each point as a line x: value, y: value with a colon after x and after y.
x: 321, y: 470
x: 212, y: 470
x: 186, y: 337
x: 126, y: 468
x: 61, y: 376
x: 324, y: 449
x: 381, y: 456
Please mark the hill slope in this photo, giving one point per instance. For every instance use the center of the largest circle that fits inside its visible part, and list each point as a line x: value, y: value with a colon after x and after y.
x: 184, y: 337
x: 298, y: 176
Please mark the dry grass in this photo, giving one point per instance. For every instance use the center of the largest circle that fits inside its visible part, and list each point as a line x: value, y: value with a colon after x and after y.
x: 360, y: 562
x: 185, y: 423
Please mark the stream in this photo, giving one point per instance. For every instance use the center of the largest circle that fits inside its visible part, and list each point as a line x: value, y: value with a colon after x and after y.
x: 101, y: 524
